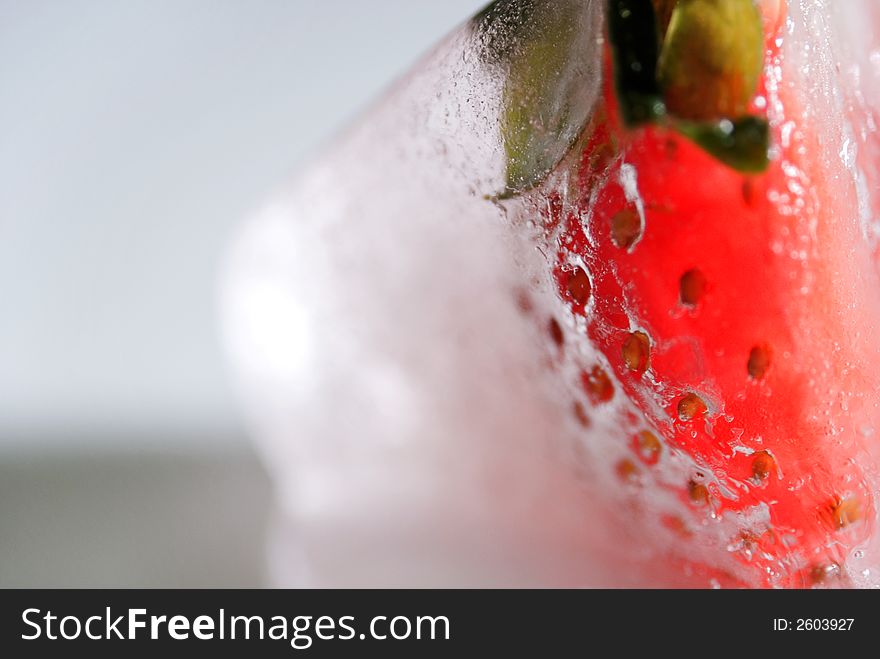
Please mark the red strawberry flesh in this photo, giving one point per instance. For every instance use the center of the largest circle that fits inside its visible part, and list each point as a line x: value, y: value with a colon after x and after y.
x: 739, y: 314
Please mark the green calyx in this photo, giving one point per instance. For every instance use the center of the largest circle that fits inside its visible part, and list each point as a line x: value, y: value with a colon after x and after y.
x: 547, y: 53
x: 710, y: 61
x: 693, y: 65
x: 740, y: 144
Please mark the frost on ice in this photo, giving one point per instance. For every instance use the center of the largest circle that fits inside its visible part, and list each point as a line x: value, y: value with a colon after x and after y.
x: 387, y: 317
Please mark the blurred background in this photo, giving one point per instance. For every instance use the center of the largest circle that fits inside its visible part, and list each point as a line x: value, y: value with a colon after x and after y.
x: 134, y: 136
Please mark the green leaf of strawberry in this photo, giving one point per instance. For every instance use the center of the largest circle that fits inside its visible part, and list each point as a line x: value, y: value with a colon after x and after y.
x: 740, y: 144
x: 710, y: 59
x: 548, y: 53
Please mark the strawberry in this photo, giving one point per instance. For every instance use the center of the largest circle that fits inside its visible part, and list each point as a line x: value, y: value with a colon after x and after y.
x: 573, y: 311
x: 729, y: 291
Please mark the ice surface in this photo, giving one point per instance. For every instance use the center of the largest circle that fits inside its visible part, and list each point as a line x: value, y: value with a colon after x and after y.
x: 387, y: 322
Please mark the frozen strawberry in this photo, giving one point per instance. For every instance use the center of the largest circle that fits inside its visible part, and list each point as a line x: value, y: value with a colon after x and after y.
x: 589, y: 299
x: 711, y: 250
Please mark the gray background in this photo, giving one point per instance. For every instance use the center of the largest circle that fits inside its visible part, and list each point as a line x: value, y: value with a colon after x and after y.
x: 134, y: 135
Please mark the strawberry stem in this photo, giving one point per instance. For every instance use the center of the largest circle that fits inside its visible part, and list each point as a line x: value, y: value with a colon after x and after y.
x: 633, y: 31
